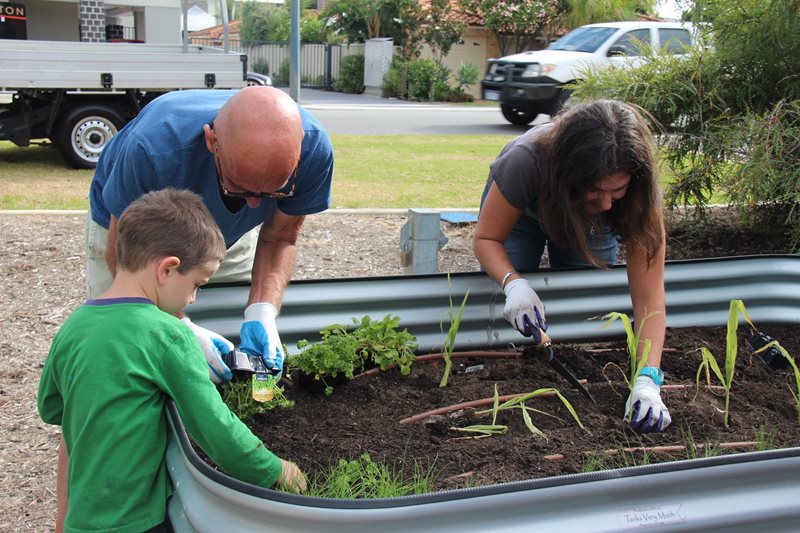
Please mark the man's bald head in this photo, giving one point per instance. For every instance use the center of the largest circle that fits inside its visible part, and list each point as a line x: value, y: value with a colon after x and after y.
x: 259, y: 133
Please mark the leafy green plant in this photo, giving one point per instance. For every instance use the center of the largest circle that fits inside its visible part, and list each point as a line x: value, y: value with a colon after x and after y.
x: 633, y: 341
x: 343, y: 352
x: 384, y: 344
x: 363, y: 478
x: 731, y: 349
x: 351, y: 75
x: 450, y: 340
x: 335, y: 354
x: 238, y: 396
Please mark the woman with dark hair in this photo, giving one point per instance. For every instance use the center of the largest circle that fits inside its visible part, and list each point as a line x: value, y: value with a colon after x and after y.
x: 579, y: 185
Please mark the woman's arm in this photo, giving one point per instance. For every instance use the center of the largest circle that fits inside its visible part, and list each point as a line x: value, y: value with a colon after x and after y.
x: 496, y: 220
x: 646, y: 282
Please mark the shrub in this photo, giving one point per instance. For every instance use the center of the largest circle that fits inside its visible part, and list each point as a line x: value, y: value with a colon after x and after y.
x: 351, y: 75
x: 395, y: 81
x: 261, y: 66
x: 282, y: 76
x: 426, y: 79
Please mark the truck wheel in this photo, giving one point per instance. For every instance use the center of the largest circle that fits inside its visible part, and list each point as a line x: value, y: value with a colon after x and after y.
x: 518, y: 116
x: 83, y: 133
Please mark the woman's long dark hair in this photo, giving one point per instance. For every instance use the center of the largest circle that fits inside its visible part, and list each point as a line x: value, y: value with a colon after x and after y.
x: 590, y: 142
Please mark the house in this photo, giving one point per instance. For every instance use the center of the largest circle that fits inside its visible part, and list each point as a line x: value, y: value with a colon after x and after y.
x: 152, y: 21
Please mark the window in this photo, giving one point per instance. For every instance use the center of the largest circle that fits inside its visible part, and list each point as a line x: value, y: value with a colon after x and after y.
x: 630, y: 44
x: 675, y: 41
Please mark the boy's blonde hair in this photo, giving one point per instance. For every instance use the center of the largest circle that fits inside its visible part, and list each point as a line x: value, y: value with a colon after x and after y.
x: 165, y: 223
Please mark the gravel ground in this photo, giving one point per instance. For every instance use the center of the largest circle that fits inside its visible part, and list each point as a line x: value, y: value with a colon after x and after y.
x: 42, y: 264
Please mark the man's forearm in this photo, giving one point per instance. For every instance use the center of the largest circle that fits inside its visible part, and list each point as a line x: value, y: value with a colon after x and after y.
x: 272, y: 269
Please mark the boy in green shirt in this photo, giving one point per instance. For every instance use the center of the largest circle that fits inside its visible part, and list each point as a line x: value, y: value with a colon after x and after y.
x: 117, y: 359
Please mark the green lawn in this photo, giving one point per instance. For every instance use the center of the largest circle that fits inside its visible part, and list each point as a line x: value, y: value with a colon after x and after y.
x: 394, y: 171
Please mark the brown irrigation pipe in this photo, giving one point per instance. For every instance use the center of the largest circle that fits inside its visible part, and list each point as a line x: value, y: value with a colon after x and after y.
x: 473, y: 403
x: 656, y: 449
x: 606, y: 350
x: 454, y: 355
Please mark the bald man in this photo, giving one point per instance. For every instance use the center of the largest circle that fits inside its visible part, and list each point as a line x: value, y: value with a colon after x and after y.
x: 259, y: 161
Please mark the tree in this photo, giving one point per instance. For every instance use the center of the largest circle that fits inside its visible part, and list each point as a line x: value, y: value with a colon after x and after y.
x: 582, y: 12
x: 272, y: 23
x: 441, y: 29
x: 365, y: 19
x: 515, y: 23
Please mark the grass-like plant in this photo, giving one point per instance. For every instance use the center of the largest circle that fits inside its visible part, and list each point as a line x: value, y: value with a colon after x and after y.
x: 238, y: 396
x: 796, y: 371
x: 488, y: 430
x: 731, y: 350
x: 633, y: 340
x: 363, y: 478
x: 450, y: 340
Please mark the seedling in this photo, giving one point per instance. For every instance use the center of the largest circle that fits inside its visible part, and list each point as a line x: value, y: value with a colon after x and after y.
x: 238, y: 396
x: 334, y: 355
x: 731, y: 349
x: 342, y: 352
x: 384, y: 344
x: 790, y: 360
x: 450, y: 340
x: 518, y: 403
x: 363, y: 478
x: 633, y: 340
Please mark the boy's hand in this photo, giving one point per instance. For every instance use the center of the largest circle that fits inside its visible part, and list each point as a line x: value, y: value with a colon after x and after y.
x: 291, y: 478
x: 214, y: 346
x: 259, y: 335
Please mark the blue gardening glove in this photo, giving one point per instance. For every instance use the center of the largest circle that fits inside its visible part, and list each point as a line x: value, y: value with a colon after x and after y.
x: 649, y: 412
x: 259, y: 335
x: 214, y: 346
x: 524, y: 310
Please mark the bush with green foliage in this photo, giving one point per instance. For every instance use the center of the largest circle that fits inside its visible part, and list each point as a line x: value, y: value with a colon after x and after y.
x: 351, y: 75
x: 732, y: 110
x: 282, y: 76
x: 344, y: 352
x: 261, y: 66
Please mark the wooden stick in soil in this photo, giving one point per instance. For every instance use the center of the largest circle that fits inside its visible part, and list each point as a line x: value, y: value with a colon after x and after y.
x: 473, y: 403
x: 438, y: 356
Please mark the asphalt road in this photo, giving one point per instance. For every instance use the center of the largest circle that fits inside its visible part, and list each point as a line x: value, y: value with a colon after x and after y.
x: 368, y: 115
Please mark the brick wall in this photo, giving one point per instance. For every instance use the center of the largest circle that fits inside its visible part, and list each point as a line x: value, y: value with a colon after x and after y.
x: 93, y: 21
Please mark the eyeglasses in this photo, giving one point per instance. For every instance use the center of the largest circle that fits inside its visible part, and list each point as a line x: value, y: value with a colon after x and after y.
x: 248, y: 194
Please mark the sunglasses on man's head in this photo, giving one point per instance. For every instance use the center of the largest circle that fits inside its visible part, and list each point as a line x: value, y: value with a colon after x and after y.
x: 248, y: 194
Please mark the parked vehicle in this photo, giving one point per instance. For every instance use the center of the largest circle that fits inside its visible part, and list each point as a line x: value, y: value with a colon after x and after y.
x: 530, y: 83
x: 80, y: 94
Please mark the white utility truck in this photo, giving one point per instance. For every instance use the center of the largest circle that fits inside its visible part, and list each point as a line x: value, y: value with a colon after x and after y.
x: 79, y: 94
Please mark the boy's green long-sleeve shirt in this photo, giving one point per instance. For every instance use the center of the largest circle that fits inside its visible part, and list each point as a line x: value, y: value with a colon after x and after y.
x: 110, y: 370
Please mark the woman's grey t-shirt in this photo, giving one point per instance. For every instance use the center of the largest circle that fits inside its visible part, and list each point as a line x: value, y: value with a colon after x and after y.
x: 516, y: 171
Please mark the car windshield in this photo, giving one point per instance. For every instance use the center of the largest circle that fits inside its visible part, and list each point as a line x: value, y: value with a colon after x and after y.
x: 583, y: 39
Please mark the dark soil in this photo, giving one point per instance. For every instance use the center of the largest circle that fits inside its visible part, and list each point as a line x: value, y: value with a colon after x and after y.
x: 364, y: 415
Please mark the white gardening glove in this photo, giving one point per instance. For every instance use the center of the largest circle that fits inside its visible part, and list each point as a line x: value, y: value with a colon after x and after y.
x: 259, y: 335
x: 524, y: 310
x: 649, y: 412
x: 214, y: 346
